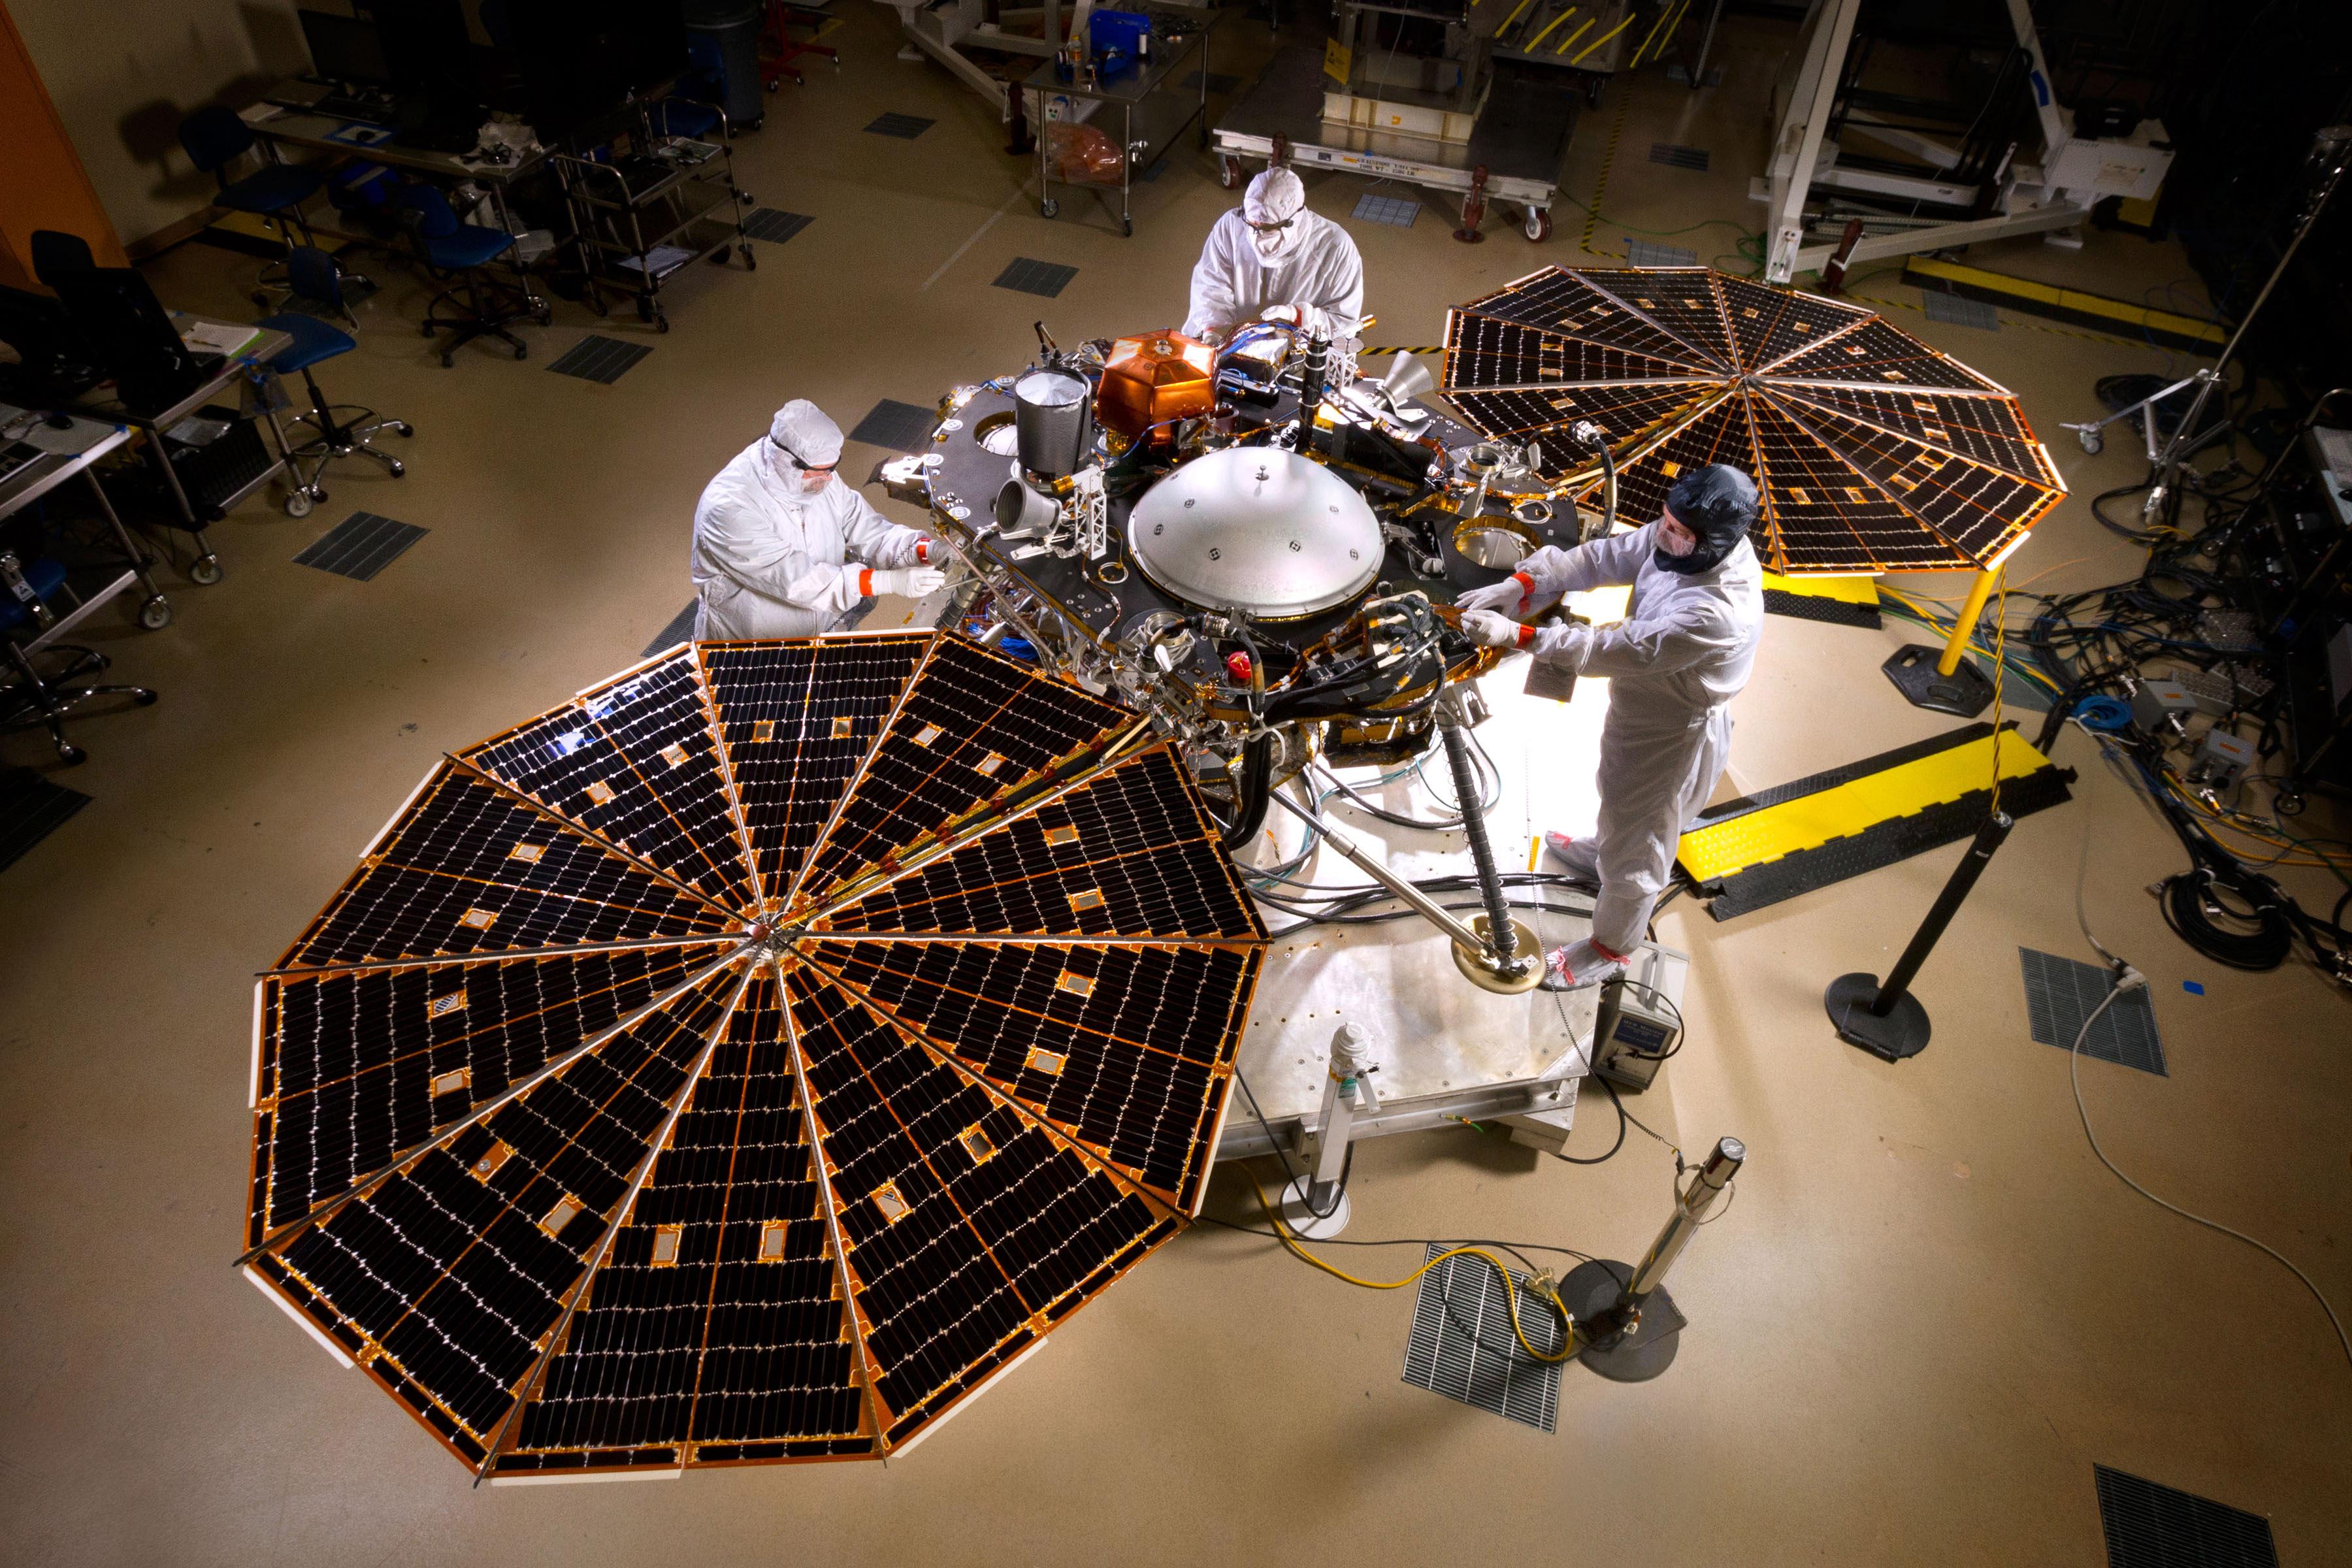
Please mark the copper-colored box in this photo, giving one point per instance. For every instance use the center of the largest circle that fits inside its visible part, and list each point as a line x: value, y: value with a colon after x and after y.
x: 1155, y: 379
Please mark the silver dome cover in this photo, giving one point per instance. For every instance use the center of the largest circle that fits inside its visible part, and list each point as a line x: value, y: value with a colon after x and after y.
x: 1257, y: 529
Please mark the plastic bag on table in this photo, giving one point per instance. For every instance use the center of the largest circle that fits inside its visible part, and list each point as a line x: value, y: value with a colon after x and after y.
x: 1081, y: 155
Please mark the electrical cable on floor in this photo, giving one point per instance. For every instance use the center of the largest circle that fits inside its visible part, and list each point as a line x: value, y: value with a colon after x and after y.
x: 2131, y: 979
x: 1543, y: 1285
x: 2125, y: 979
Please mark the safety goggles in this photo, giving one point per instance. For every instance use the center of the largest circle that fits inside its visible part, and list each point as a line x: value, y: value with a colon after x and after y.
x: 795, y: 460
x: 1275, y: 227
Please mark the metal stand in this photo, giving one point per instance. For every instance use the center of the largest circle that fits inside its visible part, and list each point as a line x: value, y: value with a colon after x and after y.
x: 2331, y: 151
x: 1949, y: 684
x: 1886, y: 1020
x: 1494, y: 952
x: 1629, y: 1325
x: 1315, y: 1205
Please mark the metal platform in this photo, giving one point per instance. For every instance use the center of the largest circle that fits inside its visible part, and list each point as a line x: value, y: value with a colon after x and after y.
x: 1447, y: 1050
x: 1520, y: 141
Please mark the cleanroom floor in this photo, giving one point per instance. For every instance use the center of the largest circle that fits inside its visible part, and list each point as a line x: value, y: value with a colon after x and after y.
x: 1926, y: 1318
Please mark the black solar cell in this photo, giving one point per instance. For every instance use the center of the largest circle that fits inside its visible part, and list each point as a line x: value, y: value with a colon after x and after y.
x: 468, y: 869
x: 1126, y: 1049
x: 365, y: 1064
x: 1557, y: 301
x: 634, y: 761
x: 965, y: 1224
x: 1144, y: 863
x: 452, y: 1270
x: 1484, y: 352
x: 975, y: 724
x: 535, y: 1148
x: 799, y: 720
x: 1679, y: 302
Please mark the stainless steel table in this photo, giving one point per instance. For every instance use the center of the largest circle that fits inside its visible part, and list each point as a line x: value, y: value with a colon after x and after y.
x: 69, y: 453
x: 1151, y: 114
x: 250, y: 359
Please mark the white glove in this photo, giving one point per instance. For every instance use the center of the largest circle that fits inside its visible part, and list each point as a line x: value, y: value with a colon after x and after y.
x: 1489, y: 630
x: 1288, y: 315
x: 907, y: 582
x: 1507, y: 595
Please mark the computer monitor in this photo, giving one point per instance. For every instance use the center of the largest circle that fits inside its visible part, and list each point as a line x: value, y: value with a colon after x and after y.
x: 345, y: 49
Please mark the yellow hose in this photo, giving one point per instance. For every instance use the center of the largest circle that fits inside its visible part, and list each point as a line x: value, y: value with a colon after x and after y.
x: 1570, y: 39
x: 1516, y: 12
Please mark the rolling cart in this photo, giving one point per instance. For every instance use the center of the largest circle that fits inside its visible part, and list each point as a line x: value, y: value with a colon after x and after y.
x: 645, y: 215
x: 1151, y: 109
x: 1513, y: 155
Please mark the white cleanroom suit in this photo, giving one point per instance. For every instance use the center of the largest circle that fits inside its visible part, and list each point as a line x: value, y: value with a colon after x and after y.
x: 773, y: 558
x: 1674, y: 664
x: 1248, y: 266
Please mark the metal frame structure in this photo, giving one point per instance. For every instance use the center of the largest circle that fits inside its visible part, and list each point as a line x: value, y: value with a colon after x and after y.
x: 2018, y: 200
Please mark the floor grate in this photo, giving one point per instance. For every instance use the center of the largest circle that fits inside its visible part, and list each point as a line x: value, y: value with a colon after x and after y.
x: 1028, y: 276
x: 1977, y: 313
x: 605, y: 360
x: 359, y: 546
x: 2059, y: 993
x: 1397, y: 212
x: 2153, y: 1526
x: 1676, y: 156
x: 1463, y: 1346
x: 680, y: 628
x: 774, y: 226
x: 901, y: 427
x: 905, y: 127
x: 31, y: 808
x: 1648, y: 253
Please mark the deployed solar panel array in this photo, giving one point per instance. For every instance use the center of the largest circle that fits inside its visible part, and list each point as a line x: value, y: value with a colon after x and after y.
x: 748, y: 1060
x: 1872, y: 451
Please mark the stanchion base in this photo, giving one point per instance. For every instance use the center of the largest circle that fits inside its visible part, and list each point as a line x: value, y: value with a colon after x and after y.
x: 1964, y: 693
x: 1902, y: 1033
x: 1591, y: 1289
x: 1304, y: 1222
x: 1477, y: 965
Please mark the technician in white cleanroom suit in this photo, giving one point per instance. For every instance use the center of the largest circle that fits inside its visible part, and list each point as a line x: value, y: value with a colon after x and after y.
x: 1674, y: 664
x: 1275, y: 260
x: 775, y: 537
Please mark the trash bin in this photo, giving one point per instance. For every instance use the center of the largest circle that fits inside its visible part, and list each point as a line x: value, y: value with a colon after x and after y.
x: 722, y: 39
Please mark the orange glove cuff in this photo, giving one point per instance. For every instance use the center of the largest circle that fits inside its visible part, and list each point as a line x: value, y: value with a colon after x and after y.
x: 866, y: 582
x: 1526, y: 637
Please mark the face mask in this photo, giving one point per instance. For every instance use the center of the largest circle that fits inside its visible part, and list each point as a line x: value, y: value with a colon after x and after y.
x: 1705, y: 551
x: 1272, y: 243
x: 1703, y: 556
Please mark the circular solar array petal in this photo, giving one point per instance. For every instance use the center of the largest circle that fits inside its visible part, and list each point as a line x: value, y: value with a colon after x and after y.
x: 1872, y: 451
x: 748, y: 1060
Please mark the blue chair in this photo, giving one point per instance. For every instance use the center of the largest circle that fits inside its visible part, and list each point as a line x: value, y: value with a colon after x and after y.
x: 337, y: 429
x: 214, y: 139
x: 26, y: 617
x: 464, y: 251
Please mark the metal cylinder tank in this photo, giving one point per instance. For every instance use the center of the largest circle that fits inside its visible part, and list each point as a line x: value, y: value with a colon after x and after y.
x: 1054, y: 412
